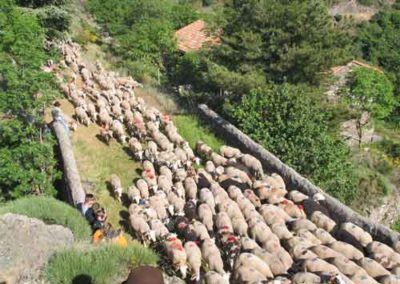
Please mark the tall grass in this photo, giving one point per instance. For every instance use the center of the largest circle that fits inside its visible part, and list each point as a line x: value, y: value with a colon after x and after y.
x: 192, y: 130
x: 50, y: 211
x: 101, y: 265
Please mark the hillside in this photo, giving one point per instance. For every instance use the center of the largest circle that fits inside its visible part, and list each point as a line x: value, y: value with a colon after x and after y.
x: 252, y: 188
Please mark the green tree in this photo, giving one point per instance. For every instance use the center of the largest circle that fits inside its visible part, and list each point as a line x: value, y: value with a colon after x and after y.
x: 27, y: 163
x: 288, y: 121
x: 369, y: 93
x: 378, y: 41
x: 143, y: 31
x: 289, y: 40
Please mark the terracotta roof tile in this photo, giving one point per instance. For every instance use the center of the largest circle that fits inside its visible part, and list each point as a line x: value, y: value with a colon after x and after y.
x: 193, y: 37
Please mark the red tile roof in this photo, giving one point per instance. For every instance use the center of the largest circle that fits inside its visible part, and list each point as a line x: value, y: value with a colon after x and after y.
x: 193, y: 37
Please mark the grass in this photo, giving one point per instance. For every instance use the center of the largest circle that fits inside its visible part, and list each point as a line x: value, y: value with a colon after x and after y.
x: 100, y: 265
x: 50, y: 211
x: 97, y: 162
x: 191, y: 129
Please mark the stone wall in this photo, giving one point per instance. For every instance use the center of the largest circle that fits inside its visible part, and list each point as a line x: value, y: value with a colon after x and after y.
x: 292, y: 179
x: 74, y: 190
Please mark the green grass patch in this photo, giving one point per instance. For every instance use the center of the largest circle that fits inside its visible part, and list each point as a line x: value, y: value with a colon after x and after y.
x: 50, y: 211
x: 103, y: 264
x: 192, y: 129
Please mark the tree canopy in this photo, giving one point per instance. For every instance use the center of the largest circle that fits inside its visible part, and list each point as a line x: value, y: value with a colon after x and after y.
x: 27, y: 163
x: 288, y: 40
x: 143, y: 30
x: 289, y: 121
x: 370, y: 91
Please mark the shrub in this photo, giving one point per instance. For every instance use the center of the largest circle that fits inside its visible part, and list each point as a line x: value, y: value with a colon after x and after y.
x: 50, y: 211
x: 102, y: 264
x: 289, y: 121
x: 56, y: 20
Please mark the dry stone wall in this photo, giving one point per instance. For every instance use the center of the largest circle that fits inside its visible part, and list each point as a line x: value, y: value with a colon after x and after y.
x: 292, y: 178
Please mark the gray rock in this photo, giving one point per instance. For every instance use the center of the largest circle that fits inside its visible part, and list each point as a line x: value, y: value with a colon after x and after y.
x: 25, y: 246
x: 173, y: 280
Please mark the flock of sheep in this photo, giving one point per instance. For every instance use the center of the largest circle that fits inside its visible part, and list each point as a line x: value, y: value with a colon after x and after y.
x: 247, y: 226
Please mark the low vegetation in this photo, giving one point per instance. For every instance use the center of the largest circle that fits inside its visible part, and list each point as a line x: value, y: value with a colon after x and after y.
x: 193, y: 130
x: 101, y: 265
x: 50, y: 211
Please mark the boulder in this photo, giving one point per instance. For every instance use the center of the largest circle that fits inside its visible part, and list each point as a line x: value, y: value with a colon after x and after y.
x: 26, y: 245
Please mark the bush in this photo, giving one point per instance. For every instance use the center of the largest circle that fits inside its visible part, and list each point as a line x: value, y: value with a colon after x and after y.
x: 390, y: 148
x: 50, y: 211
x: 40, y: 3
x: 56, y: 20
x: 102, y: 264
x: 289, y: 121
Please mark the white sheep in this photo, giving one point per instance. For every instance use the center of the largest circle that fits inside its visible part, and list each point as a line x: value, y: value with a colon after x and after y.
x: 143, y: 187
x: 229, y: 152
x: 116, y: 186
x: 207, y: 197
x: 206, y: 216
x: 142, y: 229
x: 134, y: 194
x: 223, y: 223
x: 253, y: 164
x: 212, y: 277
x: 190, y: 188
x: 251, y: 260
x: 176, y: 253
x: 212, y: 256
x: 193, y: 253
x: 82, y: 116
x: 159, y: 229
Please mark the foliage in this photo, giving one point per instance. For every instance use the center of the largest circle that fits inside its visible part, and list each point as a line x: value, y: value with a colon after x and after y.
x: 289, y: 122
x: 50, y: 211
x: 391, y: 148
x: 379, y: 44
x: 192, y: 130
x: 55, y: 19
x: 102, y: 264
x: 288, y: 40
x: 26, y: 149
x: 370, y: 91
x: 40, y: 3
x: 143, y: 30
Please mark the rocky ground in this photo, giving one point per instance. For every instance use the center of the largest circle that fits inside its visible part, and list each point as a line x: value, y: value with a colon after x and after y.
x: 25, y: 246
